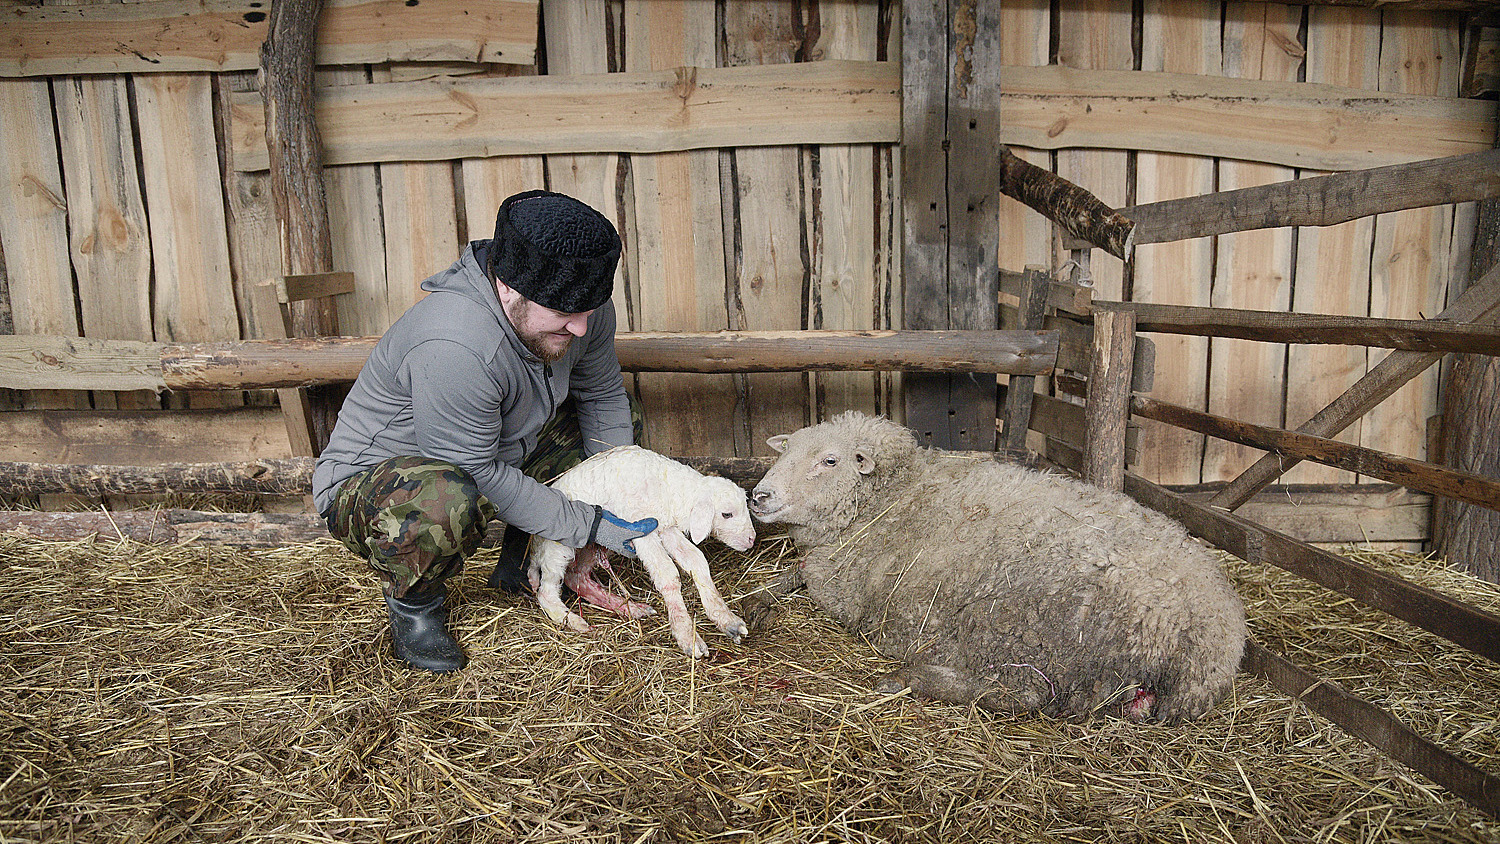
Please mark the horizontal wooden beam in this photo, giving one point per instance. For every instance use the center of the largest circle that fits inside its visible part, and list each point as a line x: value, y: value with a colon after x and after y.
x: 143, y: 437
x: 1454, y: 620
x: 1418, y: 335
x: 224, y: 35
x: 1413, y: 474
x: 827, y: 102
x: 1294, y: 124
x: 1321, y: 200
x: 1379, y: 728
x: 31, y: 362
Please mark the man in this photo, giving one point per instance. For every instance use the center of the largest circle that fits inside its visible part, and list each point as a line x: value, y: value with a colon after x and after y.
x: 461, y: 395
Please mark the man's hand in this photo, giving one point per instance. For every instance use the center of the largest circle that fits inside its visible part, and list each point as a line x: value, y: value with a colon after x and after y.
x: 615, y: 533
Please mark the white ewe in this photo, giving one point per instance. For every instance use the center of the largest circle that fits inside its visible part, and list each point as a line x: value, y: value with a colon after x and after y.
x: 635, y: 483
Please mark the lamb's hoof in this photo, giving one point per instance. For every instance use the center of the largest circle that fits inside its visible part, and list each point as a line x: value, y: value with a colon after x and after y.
x: 890, y: 684
x: 697, y: 649
x: 575, y: 622
x: 736, y: 630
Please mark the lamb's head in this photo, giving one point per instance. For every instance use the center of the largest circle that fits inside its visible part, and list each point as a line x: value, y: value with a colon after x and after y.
x: 816, y: 479
x: 719, y: 509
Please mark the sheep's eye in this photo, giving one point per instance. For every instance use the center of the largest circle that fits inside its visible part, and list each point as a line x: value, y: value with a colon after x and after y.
x: 830, y: 460
x: 727, y: 516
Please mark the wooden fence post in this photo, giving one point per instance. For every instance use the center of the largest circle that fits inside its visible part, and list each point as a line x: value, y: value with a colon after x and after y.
x: 1108, y: 409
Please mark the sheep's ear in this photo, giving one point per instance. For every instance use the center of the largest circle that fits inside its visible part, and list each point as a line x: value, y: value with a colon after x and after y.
x: 701, y: 519
x: 864, y: 461
x: 778, y: 442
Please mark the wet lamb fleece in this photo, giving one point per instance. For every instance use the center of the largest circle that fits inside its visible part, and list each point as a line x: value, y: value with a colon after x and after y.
x: 1002, y: 586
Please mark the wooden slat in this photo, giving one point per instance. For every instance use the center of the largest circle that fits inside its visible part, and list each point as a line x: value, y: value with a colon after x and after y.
x: 142, y: 438
x: 950, y: 86
x: 1334, y: 514
x: 1021, y: 389
x: 1379, y: 728
x: 771, y: 231
x: 1178, y: 36
x: 852, y: 280
x: 1251, y: 269
x: 1467, y: 626
x: 225, y: 35
x: 1093, y: 36
x: 1479, y: 303
x: 1060, y: 107
x: 270, y: 476
x: 1332, y: 273
x: 1025, y: 39
x: 661, y: 110
x: 357, y: 230
x: 1401, y: 286
x: 1413, y: 474
x: 1321, y: 201
x: 1308, y: 328
x: 679, y: 231
x: 34, y: 224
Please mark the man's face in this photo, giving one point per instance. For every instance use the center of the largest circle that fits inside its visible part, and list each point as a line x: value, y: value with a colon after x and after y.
x: 544, y: 332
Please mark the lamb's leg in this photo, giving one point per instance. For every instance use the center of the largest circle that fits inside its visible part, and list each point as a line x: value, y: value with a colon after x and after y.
x: 692, y: 561
x: 1016, y: 689
x: 549, y: 563
x: 580, y: 579
x: 663, y: 571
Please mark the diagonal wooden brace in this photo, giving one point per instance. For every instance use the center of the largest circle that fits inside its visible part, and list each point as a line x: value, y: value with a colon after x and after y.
x: 1480, y: 303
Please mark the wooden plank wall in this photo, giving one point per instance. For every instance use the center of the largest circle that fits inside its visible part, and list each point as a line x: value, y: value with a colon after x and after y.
x: 126, y: 217
x: 1396, y: 265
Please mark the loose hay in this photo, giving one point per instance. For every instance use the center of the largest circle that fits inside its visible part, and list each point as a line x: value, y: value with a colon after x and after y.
x: 161, y: 694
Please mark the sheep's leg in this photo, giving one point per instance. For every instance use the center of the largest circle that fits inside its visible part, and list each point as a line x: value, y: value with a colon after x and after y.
x: 549, y: 564
x: 663, y: 571
x: 691, y: 560
x: 1016, y: 689
x: 579, y: 577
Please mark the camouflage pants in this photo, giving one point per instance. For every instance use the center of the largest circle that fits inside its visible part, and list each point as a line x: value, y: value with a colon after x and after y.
x: 416, y: 519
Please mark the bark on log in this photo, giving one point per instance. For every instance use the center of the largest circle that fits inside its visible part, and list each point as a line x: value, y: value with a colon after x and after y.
x: 296, y: 150
x: 290, y: 476
x: 1469, y: 440
x: 1081, y: 213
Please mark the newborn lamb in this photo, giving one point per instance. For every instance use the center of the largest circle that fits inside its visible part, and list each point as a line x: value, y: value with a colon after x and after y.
x: 635, y: 483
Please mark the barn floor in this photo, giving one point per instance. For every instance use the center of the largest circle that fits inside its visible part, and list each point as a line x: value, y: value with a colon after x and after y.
x: 161, y: 694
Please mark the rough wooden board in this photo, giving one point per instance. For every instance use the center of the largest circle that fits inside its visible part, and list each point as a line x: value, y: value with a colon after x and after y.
x: 1252, y: 270
x: 1094, y: 36
x: 54, y: 362
x: 142, y: 438
x: 225, y: 35
x: 357, y: 232
x: 847, y: 291
x: 1180, y: 36
x: 487, y: 182
x: 1411, y: 248
x: 1333, y: 262
x: 679, y: 231
x: 673, y: 108
x: 1287, y: 123
x: 1025, y: 235
x: 421, y: 228
x: 770, y: 242
x: 34, y: 227
x: 192, y: 295
x: 1337, y: 516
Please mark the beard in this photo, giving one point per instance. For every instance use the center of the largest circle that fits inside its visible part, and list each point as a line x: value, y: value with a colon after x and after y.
x: 547, y: 345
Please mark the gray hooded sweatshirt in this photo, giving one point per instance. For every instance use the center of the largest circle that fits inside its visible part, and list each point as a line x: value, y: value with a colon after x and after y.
x: 451, y: 381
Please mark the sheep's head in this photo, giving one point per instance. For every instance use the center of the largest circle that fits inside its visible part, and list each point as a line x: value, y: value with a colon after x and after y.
x: 816, y: 479
x: 720, y: 510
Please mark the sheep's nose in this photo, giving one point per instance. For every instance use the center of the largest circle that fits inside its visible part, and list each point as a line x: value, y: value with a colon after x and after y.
x: 759, y: 496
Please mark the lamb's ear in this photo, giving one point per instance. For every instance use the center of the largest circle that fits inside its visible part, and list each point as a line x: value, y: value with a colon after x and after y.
x: 778, y: 442
x: 701, y: 519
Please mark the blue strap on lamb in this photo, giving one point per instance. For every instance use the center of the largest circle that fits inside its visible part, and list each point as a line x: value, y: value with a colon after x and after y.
x: 615, y: 533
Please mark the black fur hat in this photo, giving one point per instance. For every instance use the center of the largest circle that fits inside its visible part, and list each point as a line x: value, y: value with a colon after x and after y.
x: 555, y: 251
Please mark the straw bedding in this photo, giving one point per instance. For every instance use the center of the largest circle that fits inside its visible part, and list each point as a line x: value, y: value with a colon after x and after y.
x: 184, y: 693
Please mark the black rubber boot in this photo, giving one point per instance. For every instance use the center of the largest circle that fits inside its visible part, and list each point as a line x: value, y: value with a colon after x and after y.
x: 419, y: 630
x: 510, y: 570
